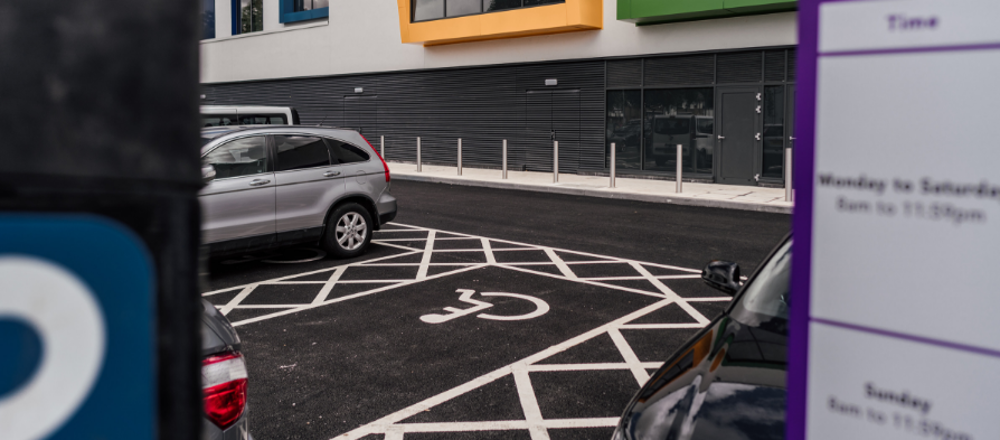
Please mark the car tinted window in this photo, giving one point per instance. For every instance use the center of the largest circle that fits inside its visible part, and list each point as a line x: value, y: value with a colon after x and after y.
x: 298, y: 152
x: 343, y: 152
x: 766, y: 297
x: 218, y: 120
x: 263, y: 120
x: 241, y: 157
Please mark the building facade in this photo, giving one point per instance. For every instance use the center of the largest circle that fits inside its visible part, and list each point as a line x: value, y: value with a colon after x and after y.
x: 714, y: 76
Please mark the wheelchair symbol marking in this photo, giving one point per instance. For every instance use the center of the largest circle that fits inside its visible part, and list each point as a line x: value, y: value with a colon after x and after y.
x: 541, y: 308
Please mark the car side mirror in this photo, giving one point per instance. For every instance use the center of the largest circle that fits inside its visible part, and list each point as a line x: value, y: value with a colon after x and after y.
x: 722, y: 275
x: 207, y: 173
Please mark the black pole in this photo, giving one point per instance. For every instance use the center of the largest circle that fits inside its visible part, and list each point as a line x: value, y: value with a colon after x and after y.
x: 98, y: 116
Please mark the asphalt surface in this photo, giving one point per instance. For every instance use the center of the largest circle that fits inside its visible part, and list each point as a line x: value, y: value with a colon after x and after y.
x: 335, y: 345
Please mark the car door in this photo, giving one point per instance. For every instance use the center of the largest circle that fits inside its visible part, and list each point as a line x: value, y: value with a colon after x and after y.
x: 357, y: 166
x: 308, y: 182
x: 239, y: 201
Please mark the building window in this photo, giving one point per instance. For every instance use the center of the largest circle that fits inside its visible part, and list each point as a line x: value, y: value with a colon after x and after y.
x: 424, y: 10
x: 207, y: 19
x: 772, y: 163
x: 624, y: 128
x: 679, y: 116
x: 248, y: 16
x: 300, y: 10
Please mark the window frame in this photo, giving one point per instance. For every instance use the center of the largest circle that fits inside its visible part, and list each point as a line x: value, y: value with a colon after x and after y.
x: 288, y: 14
x: 413, y: 10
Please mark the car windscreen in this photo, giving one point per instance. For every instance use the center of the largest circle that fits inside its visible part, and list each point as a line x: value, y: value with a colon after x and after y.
x: 765, y: 299
x: 218, y: 120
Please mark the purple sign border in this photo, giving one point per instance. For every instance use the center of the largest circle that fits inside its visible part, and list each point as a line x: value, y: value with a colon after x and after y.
x: 802, y: 216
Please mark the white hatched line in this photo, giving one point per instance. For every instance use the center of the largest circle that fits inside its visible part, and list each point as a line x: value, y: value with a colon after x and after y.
x: 529, y: 404
x: 321, y: 296
x: 630, y: 358
x: 587, y: 367
x: 660, y: 277
x: 352, y: 296
x: 593, y: 283
x: 380, y: 425
x: 560, y: 264
x: 660, y: 326
x: 380, y: 242
x: 574, y: 263
x: 428, y: 252
x: 378, y: 281
x: 490, y: 258
x: 708, y: 299
x: 670, y: 293
x: 422, y: 238
x: 415, y: 264
x: 266, y: 306
x: 504, y: 425
x: 394, y: 433
x: 237, y: 299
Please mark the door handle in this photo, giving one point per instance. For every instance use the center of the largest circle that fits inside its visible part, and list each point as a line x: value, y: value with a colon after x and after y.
x: 259, y: 182
x: 791, y: 138
x: 331, y: 173
x: 721, y: 137
x: 757, y: 136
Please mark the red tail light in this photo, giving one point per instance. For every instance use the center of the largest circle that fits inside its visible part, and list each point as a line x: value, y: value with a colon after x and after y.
x: 224, y: 384
x: 384, y: 165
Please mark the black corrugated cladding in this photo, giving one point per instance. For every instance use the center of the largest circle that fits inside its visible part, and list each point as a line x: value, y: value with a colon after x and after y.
x: 482, y: 105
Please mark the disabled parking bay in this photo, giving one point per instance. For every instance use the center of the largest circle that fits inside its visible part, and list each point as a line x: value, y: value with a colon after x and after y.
x: 436, y: 334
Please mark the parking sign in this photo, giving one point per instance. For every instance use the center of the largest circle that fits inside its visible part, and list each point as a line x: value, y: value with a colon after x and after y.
x: 77, y: 318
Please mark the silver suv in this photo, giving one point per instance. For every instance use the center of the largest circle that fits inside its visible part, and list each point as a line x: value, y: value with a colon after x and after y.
x: 270, y: 186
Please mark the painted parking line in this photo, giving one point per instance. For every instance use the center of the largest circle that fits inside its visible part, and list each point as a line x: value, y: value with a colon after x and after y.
x: 596, y: 299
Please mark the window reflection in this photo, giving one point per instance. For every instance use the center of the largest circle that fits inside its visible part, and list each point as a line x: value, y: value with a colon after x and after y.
x: 774, y: 131
x: 679, y: 116
x: 624, y: 128
x: 434, y: 9
x: 251, y: 16
x: 207, y: 19
x: 308, y: 5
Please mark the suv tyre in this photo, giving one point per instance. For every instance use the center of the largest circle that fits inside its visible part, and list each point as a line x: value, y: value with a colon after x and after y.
x: 348, y: 231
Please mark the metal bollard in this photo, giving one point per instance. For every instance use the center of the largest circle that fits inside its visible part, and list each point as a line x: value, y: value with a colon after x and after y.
x: 504, y: 159
x: 459, y: 156
x: 679, y: 163
x: 788, y: 174
x: 555, y: 161
x: 418, y: 155
x: 381, y: 146
x: 613, y: 163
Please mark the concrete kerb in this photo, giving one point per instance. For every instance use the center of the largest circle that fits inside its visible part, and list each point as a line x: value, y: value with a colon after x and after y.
x: 602, y: 193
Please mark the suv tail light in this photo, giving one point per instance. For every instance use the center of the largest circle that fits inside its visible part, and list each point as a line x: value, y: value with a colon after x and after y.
x: 224, y: 384
x: 384, y: 165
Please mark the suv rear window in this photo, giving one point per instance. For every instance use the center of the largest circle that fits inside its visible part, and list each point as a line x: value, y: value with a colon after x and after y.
x: 343, y: 152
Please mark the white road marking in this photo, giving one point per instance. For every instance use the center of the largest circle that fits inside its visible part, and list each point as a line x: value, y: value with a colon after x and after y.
x: 237, y: 299
x: 560, y: 264
x: 670, y: 293
x: 328, y: 286
x: 631, y: 359
x: 425, y: 261
x: 529, y: 404
x: 490, y: 258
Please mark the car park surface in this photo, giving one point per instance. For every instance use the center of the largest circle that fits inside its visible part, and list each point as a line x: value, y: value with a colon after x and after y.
x: 341, y: 347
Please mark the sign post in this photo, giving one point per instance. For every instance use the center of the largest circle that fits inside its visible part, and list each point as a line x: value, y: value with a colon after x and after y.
x: 99, y: 221
x: 893, y: 327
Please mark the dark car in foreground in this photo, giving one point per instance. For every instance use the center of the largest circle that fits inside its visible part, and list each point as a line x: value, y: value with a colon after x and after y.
x: 223, y: 378
x: 728, y: 381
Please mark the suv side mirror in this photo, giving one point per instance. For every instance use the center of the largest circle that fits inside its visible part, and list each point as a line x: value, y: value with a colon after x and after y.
x: 722, y: 275
x: 207, y: 173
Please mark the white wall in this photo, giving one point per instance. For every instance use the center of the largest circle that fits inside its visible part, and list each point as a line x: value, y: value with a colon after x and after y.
x: 363, y: 36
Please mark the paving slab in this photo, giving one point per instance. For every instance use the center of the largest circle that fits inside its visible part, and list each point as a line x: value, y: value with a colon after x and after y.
x: 749, y: 198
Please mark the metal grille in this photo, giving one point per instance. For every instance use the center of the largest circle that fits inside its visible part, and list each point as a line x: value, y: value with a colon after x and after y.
x: 680, y: 70
x: 740, y: 67
x: 482, y: 105
x: 774, y: 65
x: 791, y: 64
x: 624, y: 74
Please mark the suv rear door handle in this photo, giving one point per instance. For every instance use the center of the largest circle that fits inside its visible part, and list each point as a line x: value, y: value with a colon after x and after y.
x: 331, y: 173
x: 721, y: 137
x: 259, y: 182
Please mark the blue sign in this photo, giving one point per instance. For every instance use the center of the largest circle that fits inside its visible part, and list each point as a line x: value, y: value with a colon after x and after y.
x: 77, y: 319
